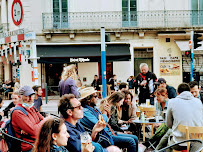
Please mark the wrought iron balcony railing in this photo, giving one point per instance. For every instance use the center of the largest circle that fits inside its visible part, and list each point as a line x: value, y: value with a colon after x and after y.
x: 116, y: 20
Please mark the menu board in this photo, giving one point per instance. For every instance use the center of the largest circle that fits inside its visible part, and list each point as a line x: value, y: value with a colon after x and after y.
x: 169, y: 65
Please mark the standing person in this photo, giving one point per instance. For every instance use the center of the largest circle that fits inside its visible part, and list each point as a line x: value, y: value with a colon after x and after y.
x: 91, y: 117
x: 185, y: 109
x: 96, y: 82
x: 144, y: 81
x: 171, y: 91
x: 53, y: 137
x: 27, y: 127
x: 68, y: 81
x: 130, y: 81
x: 16, y: 85
x: 38, y: 100
x: 113, y: 82
x: 72, y: 112
x: 195, y: 90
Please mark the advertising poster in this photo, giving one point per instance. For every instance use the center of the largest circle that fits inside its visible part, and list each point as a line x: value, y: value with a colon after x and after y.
x: 169, y: 65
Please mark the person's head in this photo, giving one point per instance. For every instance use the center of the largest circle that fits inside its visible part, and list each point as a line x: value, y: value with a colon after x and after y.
x: 69, y: 71
x: 194, y: 88
x: 131, y: 77
x: 78, y: 83
x: 161, y: 95
x: 16, y: 98
x: 16, y: 80
x: 128, y: 97
x: 116, y: 99
x: 123, y: 86
x: 27, y: 95
x: 114, y: 77
x: 70, y: 107
x: 88, y: 97
x: 1, y: 102
x: 183, y: 87
x: 144, y: 68
x: 161, y: 83
x: 95, y: 77
x: 53, y: 132
x: 38, y: 90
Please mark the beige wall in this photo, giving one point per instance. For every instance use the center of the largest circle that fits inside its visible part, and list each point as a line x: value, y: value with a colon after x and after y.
x: 87, y: 70
x: 122, y: 70
x: 7, y: 71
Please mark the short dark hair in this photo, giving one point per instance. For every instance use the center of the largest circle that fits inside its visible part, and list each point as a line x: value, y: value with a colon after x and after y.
x: 122, y: 85
x: 36, y: 87
x: 193, y: 84
x: 96, y: 75
x: 64, y: 104
x: 183, y: 87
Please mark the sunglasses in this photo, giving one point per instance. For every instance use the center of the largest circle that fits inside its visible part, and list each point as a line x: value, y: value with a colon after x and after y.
x: 79, y: 107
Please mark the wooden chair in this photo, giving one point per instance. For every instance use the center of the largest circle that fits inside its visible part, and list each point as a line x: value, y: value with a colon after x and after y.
x: 109, y: 92
x: 191, y: 133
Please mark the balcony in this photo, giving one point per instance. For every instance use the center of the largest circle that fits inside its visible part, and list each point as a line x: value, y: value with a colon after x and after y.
x: 124, y: 20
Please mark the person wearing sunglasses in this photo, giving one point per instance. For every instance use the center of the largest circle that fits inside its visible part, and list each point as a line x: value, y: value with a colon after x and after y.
x: 72, y: 112
x: 53, y: 137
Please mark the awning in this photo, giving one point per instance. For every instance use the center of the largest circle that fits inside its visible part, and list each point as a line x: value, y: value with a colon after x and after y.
x: 62, y: 53
x: 184, y: 45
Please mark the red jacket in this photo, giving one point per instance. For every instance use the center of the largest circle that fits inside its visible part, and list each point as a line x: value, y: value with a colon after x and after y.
x: 31, y: 124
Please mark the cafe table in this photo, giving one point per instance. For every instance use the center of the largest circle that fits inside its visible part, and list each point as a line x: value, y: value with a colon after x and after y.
x: 147, y: 122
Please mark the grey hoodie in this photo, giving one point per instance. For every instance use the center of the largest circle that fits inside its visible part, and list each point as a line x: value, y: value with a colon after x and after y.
x: 185, y: 109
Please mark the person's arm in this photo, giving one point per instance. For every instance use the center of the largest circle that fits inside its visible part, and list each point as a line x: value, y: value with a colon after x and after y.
x: 113, y: 122
x: 169, y: 116
x: 24, y: 123
x: 173, y: 92
x: 73, y: 88
x: 11, y: 105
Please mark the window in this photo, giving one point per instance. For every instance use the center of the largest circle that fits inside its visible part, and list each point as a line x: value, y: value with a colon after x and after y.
x: 60, y: 14
x: 197, y: 12
x: 129, y: 13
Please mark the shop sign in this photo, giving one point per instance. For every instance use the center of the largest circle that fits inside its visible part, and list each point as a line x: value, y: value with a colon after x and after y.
x: 79, y: 59
x: 169, y: 65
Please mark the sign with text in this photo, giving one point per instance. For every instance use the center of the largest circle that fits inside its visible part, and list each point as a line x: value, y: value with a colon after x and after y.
x: 169, y: 65
x: 79, y: 59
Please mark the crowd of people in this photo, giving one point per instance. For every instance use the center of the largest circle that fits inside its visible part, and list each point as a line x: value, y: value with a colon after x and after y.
x: 81, y: 114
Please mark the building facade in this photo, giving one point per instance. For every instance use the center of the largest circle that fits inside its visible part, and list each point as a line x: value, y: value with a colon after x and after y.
x: 68, y: 32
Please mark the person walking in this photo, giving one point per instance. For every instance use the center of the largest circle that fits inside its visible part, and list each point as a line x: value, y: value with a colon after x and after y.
x: 68, y: 80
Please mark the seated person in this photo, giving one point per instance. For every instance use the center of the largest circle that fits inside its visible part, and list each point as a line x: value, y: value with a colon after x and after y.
x: 96, y: 82
x: 91, y: 116
x: 162, y: 98
x: 1, y: 104
x: 15, y: 100
x: 123, y: 86
x: 72, y: 112
x: 52, y: 137
x: 8, y: 87
x: 195, y: 90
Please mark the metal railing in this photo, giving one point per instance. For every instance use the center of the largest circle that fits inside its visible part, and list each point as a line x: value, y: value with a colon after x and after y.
x: 115, y: 20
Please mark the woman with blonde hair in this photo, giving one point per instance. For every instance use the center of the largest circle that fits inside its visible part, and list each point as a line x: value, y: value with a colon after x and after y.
x: 67, y: 84
x: 16, y: 85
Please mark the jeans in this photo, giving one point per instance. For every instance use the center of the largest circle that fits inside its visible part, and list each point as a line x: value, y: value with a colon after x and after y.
x: 126, y: 141
x: 98, y: 147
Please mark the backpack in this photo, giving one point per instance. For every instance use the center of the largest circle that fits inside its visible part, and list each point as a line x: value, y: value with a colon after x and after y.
x: 13, y: 145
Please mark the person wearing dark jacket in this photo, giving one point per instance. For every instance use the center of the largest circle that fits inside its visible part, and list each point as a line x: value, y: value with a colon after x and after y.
x: 113, y: 82
x: 130, y: 81
x: 161, y: 83
x: 96, y: 82
x: 145, y: 82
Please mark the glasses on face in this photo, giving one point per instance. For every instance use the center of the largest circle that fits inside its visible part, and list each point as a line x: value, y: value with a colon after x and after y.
x: 79, y: 107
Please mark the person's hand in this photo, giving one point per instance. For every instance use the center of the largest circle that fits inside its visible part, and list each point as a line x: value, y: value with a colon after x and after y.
x: 127, y: 132
x: 2, y: 114
x: 23, y: 132
x: 99, y: 126
x: 107, y: 108
x: 87, y: 147
x: 131, y: 120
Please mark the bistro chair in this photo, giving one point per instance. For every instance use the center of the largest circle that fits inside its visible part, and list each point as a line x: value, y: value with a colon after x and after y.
x: 191, y: 133
x: 196, y: 145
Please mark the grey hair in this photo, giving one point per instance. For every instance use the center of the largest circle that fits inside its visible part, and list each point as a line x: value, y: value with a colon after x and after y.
x: 143, y: 64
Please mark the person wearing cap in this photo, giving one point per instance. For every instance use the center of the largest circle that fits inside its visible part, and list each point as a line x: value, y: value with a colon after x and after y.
x: 161, y: 83
x: 144, y: 81
x: 27, y: 127
x: 91, y: 116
